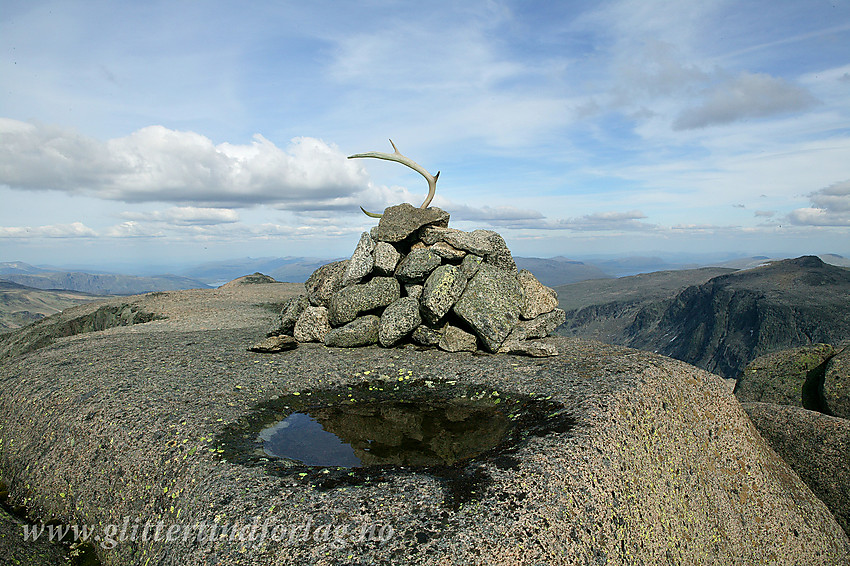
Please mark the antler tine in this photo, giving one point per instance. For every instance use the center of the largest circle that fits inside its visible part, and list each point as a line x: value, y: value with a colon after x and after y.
x: 404, y: 160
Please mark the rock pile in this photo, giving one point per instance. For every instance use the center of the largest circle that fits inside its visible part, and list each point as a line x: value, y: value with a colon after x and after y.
x: 412, y: 278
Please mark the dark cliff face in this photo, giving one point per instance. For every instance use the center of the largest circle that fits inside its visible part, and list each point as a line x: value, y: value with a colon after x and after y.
x: 724, y: 323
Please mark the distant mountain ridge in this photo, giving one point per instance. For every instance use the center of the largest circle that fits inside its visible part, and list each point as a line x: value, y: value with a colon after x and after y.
x: 551, y: 271
x: 723, y: 322
x: 21, y: 305
x: 285, y: 269
x: 94, y: 283
x: 559, y: 270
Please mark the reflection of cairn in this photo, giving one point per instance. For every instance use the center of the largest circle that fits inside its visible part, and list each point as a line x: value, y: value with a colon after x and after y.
x: 414, y: 433
x: 413, y: 278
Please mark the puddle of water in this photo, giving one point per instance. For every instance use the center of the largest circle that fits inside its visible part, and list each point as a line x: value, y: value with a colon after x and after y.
x: 301, y: 437
x: 370, y: 431
x: 397, y: 433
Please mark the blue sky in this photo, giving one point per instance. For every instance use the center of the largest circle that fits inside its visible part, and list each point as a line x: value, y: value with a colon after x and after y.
x: 182, y: 132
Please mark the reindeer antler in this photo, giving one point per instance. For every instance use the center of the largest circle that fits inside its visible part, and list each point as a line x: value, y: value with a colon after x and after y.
x: 399, y: 158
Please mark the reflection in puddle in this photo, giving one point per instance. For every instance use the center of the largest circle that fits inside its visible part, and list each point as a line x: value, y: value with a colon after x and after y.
x: 370, y: 431
x: 423, y: 433
x: 300, y: 437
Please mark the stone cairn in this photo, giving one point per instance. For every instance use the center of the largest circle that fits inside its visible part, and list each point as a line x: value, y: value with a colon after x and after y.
x: 412, y: 279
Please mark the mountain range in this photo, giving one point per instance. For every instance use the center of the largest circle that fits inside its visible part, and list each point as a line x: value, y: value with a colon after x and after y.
x: 20, y: 305
x: 94, y: 283
x: 718, y: 318
x: 715, y: 318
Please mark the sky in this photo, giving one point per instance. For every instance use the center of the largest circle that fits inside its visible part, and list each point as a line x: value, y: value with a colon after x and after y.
x: 178, y: 132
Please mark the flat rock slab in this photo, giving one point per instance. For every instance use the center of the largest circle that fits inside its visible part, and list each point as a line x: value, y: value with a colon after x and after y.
x: 274, y: 345
x: 662, y: 466
x: 401, y: 221
x: 780, y: 377
x: 836, y: 383
x: 815, y: 445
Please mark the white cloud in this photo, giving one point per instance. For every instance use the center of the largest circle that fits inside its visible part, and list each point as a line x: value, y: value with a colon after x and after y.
x: 652, y: 70
x: 73, y: 230
x: 831, y: 207
x: 373, y: 198
x: 159, y: 164
x: 834, y: 198
x: 186, y: 215
x: 604, y: 221
x: 596, y: 222
x: 132, y: 229
x: 818, y: 217
x: 703, y: 228
x: 749, y: 95
x: 493, y: 215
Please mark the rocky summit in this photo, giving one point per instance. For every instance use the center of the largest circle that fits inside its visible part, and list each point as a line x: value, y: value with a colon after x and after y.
x: 627, y: 458
x: 414, y: 279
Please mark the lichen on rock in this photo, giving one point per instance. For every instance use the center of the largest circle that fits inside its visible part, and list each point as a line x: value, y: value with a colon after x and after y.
x: 431, y: 285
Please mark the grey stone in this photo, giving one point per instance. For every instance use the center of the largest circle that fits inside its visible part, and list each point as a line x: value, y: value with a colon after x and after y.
x: 386, y: 258
x: 289, y: 314
x: 426, y: 335
x: 274, y: 344
x: 490, y: 305
x: 398, y: 320
x: 325, y: 282
x: 455, y: 339
x: 312, y: 325
x: 815, y: 445
x: 413, y: 290
x: 533, y: 348
x: 399, y: 222
x: 477, y: 242
x: 537, y: 298
x: 500, y: 256
x: 447, y: 251
x: 470, y: 265
x: 417, y: 265
x: 430, y: 235
x: 539, y: 327
x: 361, y: 262
x: 836, y: 383
x: 485, y: 243
x: 351, y: 301
x: 442, y: 289
x: 362, y: 331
